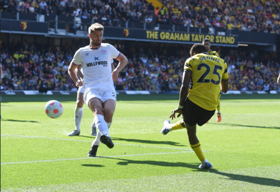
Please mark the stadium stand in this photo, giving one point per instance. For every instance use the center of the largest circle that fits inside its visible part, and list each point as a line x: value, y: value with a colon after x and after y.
x: 153, y: 67
x: 184, y: 15
x: 35, y: 65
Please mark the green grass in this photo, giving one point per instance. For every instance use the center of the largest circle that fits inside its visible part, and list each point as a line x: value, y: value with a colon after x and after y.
x: 36, y: 154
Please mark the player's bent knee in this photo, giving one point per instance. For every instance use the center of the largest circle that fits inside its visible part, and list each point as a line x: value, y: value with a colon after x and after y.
x: 98, y: 111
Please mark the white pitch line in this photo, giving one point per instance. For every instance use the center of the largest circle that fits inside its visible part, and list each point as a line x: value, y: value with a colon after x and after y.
x: 90, y: 158
x: 137, y: 145
x: 37, y: 137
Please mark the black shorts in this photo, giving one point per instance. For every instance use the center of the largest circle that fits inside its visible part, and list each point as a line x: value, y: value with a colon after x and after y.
x: 193, y: 114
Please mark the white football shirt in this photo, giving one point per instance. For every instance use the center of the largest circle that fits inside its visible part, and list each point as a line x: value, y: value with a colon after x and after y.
x: 96, y: 65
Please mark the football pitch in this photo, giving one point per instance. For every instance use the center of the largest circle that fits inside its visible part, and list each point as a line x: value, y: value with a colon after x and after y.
x: 37, y: 154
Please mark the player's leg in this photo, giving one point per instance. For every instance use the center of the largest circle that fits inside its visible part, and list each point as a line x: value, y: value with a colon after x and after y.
x: 167, y: 127
x: 109, y: 108
x: 109, y: 98
x: 78, y: 114
x: 93, y: 129
x: 196, y: 147
x: 95, y: 105
x: 219, y: 116
x: 93, y: 97
x: 107, y: 95
x: 94, y: 146
x: 192, y: 115
x: 109, y: 105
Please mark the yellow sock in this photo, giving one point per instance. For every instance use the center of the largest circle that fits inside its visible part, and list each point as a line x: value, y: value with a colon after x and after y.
x: 197, y: 149
x: 177, y: 125
x: 218, y: 107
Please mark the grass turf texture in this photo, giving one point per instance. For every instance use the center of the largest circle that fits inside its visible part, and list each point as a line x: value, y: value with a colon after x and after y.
x: 36, y: 154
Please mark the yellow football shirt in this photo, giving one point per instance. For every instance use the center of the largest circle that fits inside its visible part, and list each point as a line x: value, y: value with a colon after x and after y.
x: 213, y: 53
x: 207, y: 73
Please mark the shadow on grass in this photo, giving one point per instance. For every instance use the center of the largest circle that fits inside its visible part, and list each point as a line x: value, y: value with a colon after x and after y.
x: 250, y: 179
x: 92, y: 137
x: 92, y: 165
x: 20, y: 121
x: 148, y: 141
x: 251, y: 126
x: 125, y: 162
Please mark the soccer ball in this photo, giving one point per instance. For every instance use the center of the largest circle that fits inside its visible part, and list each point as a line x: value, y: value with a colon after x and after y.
x: 53, y: 109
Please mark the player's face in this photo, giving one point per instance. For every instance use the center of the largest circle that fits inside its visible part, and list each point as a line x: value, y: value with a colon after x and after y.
x: 96, y: 38
x: 207, y: 45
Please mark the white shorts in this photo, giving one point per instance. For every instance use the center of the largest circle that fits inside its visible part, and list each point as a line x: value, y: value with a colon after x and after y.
x: 81, y: 89
x: 99, y: 93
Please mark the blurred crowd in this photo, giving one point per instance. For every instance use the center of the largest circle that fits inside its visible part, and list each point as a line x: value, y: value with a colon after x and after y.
x: 252, y: 71
x: 154, y: 67
x: 250, y: 15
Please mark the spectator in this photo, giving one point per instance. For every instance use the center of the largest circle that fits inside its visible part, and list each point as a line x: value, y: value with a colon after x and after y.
x: 156, y: 66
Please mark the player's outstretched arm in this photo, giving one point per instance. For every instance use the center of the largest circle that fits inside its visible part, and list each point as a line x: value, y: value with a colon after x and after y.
x: 73, y: 74
x: 122, y: 63
x: 187, y: 75
x: 79, y: 72
x: 224, y: 86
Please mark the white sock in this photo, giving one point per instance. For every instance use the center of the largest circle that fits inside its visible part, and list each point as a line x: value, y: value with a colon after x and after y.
x: 108, y: 124
x: 168, y: 125
x: 93, y: 124
x: 97, y: 139
x: 98, y: 135
x: 101, y: 124
x: 78, y: 117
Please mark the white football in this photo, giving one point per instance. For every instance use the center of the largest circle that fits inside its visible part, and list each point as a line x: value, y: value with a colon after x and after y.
x: 53, y: 109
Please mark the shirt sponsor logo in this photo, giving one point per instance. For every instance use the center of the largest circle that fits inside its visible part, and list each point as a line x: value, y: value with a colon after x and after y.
x: 104, y: 63
x: 104, y: 51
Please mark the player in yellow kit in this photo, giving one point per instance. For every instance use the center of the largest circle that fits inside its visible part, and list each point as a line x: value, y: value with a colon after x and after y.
x: 179, y: 124
x: 206, y: 73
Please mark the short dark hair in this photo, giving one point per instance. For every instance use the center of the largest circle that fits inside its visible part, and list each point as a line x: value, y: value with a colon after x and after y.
x: 198, y: 48
x: 206, y: 39
x: 95, y: 27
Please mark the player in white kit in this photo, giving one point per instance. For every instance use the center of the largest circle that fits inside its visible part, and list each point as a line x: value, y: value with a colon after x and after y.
x: 99, y: 95
x: 78, y: 113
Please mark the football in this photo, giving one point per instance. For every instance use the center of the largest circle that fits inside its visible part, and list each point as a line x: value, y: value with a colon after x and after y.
x: 53, y: 109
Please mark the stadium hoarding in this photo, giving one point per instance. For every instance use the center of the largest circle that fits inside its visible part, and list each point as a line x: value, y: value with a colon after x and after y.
x: 24, y: 27
x: 167, y: 36
x: 147, y: 35
x: 123, y: 92
x: 257, y: 38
